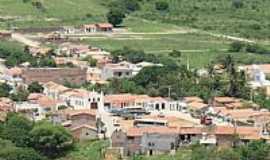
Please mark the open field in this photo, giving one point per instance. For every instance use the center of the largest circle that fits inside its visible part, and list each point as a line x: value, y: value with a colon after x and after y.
x: 55, y: 12
x: 154, y: 31
x: 197, y: 49
x: 245, y: 18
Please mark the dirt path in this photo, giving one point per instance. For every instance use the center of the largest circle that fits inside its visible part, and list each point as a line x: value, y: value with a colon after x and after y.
x: 229, y: 37
x: 185, y: 51
x: 23, y: 39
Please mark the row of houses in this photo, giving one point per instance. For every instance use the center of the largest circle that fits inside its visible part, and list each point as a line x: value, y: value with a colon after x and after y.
x: 159, y: 140
x: 88, y: 28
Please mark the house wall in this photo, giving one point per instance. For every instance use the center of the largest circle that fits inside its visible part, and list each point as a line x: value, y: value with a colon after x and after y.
x: 111, y: 73
x: 57, y: 75
x: 87, y: 102
x: 85, y: 134
x: 225, y: 141
x: 83, y: 119
x: 119, y: 139
x: 157, y: 143
x: 133, y: 145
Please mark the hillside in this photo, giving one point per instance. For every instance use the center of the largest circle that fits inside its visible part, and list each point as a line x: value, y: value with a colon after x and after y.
x: 247, y: 18
x: 17, y: 13
x: 189, y: 26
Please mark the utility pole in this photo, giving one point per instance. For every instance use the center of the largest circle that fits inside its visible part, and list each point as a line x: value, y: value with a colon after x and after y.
x: 169, y: 91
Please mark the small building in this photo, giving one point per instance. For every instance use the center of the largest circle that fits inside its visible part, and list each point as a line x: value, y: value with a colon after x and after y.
x: 84, y: 132
x: 98, y: 27
x: 72, y: 50
x: 81, y: 123
x: 90, y: 28
x: 38, y: 106
x: 5, y: 34
x: 104, y: 27
x: 120, y: 70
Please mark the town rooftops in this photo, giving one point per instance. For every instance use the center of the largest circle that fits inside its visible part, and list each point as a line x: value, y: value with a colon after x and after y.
x: 237, y: 113
x: 135, y: 132
x: 104, y: 25
x: 83, y: 126
x: 43, y: 100
x: 226, y: 99
x: 118, y: 67
x: 15, y: 71
x: 71, y: 112
x: 55, y: 86
x: 251, y: 133
x: 116, y: 98
x: 193, y: 99
x: 265, y: 68
x: 197, y: 105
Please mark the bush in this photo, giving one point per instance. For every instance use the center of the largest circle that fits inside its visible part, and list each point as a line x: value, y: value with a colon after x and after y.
x: 236, y: 46
x: 116, y: 16
x: 237, y: 3
x: 50, y: 140
x: 162, y: 6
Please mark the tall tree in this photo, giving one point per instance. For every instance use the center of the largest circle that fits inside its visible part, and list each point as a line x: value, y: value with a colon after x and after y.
x: 50, y: 140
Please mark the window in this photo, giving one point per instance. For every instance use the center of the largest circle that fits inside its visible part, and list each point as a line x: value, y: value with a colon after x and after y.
x: 163, y: 106
x: 157, y: 107
x: 98, y: 99
x: 172, y: 146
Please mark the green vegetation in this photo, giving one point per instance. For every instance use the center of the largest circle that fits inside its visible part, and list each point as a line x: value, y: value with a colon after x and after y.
x: 88, y: 150
x: 248, y: 18
x: 20, y: 138
x: 16, y: 54
x: 256, y: 150
x: 51, y: 13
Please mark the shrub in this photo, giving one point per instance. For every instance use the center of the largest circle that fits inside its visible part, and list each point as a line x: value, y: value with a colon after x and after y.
x: 162, y: 6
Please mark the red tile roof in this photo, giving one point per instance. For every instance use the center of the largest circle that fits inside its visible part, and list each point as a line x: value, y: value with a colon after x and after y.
x: 135, y: 132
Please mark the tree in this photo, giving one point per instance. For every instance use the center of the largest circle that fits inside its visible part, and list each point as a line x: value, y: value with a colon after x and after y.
x: 162, y: 5
x: 236, y: 46
x: 35, y: 87
x: 16, y: 129
x: 46, y: 62
x: 175, y: 54
x: 16, y: 153
x: 228, y: 154
x: 9, y: 151
x: 50, y: 140
x: 256, y: 150
x: 237, y: 3
x: 115, y: 16
x: 91, y: 61
x: 4, y: 90
x: 132, y: 5
x: 20, y: 95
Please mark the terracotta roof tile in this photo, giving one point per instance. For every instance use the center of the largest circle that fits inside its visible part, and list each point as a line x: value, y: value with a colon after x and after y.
x: 134, y: 132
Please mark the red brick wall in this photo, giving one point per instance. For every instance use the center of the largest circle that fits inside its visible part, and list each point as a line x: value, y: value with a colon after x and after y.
x: 57, y: 75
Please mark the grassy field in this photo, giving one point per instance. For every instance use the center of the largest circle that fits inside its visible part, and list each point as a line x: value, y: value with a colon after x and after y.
x: 91, y: 150
x: 197, y: 49
x: 250, y: 20
x: 155, y: 31
x: 56, y: 12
